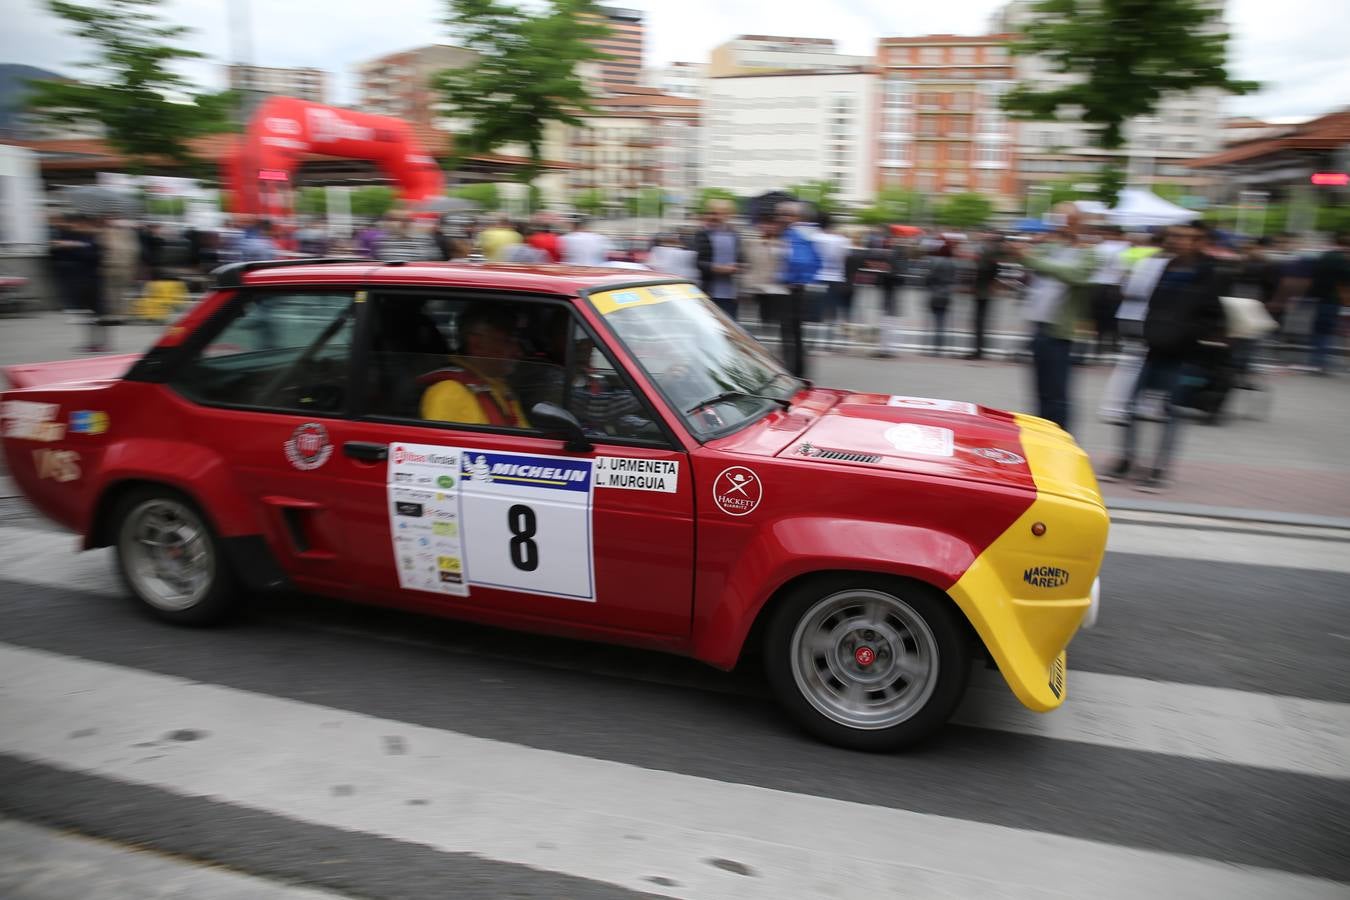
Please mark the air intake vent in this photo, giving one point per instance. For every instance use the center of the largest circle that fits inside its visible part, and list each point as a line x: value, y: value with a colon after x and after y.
x: 837, y: 455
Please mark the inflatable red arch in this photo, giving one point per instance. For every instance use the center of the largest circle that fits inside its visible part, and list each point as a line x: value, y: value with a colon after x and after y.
x: 259, y: 169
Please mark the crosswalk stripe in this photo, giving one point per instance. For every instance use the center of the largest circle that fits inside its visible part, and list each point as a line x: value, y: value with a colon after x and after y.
x: 591, y: 818
x: 1289, y: 734
x: 1212, y: 724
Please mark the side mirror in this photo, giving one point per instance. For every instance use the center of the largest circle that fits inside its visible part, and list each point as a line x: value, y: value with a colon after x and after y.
x: 555, y: 421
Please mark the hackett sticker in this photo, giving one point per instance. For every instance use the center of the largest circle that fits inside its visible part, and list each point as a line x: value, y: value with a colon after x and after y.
x: 737, y: 491
x: 308, y: 448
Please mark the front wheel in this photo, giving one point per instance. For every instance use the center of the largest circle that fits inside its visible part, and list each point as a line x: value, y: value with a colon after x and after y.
x: 170, y: 558
x: 867, y: 662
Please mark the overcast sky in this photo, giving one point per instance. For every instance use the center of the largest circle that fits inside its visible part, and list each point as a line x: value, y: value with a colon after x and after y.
x: 1295, y: 48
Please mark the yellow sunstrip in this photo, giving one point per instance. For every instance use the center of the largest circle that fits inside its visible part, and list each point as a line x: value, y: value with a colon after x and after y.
x: 606, y: 302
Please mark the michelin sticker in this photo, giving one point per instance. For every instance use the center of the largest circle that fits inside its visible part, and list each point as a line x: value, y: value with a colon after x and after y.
x: 630, y: 474
x: 951, y: 406
x: 424, y: 518
x: 921, y: 440
x: 527, y: 522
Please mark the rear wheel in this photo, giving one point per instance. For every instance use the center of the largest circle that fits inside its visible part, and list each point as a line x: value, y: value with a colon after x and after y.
x: 170, y: 558
x: 867, y: 662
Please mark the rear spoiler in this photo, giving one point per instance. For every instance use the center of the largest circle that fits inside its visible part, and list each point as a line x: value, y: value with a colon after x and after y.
x: 98, y: 368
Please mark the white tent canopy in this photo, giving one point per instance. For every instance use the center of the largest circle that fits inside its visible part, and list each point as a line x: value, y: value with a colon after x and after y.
x: 1139, y: 208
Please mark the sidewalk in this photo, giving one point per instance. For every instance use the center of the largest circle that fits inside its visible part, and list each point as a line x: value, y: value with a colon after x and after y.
x: 1293, y: 462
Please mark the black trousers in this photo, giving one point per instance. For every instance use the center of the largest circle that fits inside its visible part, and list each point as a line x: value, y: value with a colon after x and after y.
x: 981, y: 321
x: 792, y: 311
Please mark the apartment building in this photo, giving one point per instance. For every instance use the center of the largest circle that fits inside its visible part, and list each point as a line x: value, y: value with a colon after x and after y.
x: 400, y: 84
x: 303, y: 83
x: 749, y: 54
x: 636, y: 141
x: 623, y: 47
x: 679, y: 79
x: 940, y: 126
x: 765, y: 132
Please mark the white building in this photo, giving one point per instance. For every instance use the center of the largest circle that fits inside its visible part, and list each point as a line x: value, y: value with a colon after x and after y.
x: 767, y: 132
x: 751, y: 53
x: 679, y: 79
x: 304, y: 83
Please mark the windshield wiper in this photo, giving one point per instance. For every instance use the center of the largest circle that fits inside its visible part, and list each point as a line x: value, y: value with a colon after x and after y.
x: 736, y: 395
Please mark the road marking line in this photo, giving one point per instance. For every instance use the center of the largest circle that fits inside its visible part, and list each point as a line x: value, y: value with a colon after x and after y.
x: 591, y: 818
x: 1230, y: 547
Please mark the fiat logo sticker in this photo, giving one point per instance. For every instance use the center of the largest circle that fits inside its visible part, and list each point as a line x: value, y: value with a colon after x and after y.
x: 737, y: 491
x: 308, y: 448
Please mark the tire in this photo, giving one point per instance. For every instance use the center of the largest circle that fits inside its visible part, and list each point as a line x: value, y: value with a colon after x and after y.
x: 170, y: 559
x: 867, y: 662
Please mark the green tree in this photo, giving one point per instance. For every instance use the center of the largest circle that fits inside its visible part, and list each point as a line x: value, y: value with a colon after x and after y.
x: 311, y: 201
x: 526, y: 74
x: 486, y: 195
x: 967, y: 210
x: 372, y: 202
x: 650, y: 201
x: 145, y: 107
x: 708, y: 194
x: 820, y: 194
x: 591, y: 201
x: 1126, y: 56
x: 893, y: 206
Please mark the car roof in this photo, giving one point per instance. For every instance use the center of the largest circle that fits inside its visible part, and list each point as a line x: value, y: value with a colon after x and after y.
x: 542, y: 279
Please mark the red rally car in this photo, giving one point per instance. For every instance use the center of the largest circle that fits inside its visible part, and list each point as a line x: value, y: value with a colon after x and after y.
x: 577, y: 451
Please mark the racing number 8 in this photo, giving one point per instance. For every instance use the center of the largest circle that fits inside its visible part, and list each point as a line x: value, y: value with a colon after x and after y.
x: 524, y: 551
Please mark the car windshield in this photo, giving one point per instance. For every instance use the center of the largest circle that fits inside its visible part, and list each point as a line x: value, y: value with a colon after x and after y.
x: 712, y: 373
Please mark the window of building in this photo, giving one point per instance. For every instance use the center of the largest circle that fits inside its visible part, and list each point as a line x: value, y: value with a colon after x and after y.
x: 964, y: 55
x: 990, y: 182
x: 995, y: 54
x: 926, y: 181
x: 957, y: 153
x: 931, y: 56
x: 928, y: 126
x: 927, y: 153
x: 898, y: 55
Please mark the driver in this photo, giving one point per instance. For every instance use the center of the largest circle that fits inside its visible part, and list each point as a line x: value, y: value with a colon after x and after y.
x: 473, y: 389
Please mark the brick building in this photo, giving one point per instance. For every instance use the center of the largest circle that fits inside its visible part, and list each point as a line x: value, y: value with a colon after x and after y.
x: 940, y: 127
x: 304, y: 83
x: 623, y: 45
x: 399, y: 84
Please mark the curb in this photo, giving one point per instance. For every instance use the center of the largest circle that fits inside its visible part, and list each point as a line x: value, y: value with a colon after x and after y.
x: 1229, y: 513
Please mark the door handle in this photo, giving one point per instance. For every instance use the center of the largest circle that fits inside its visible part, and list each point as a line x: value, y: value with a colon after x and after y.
x: 366, y: 450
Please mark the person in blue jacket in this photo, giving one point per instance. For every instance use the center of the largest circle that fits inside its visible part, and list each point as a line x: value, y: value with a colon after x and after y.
x: 801, y: 265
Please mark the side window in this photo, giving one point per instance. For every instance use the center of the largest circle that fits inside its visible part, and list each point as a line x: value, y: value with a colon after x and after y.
x: 464, y: 361
x: 282, y: 351
x: 601, y: 400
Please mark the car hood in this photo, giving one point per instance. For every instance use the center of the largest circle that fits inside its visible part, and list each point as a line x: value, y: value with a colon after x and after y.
x: 946, y: 438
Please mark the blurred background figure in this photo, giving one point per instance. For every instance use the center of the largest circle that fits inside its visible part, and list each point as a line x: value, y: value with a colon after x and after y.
x: 988, y: 262
x: 719, y: 253
x: 121, y: 250
x: 801, y: 266
x: 406, y: 241
x: 833, y: 250
x: 494, y: 241
x: 941, y: 282
x: 525, y: 253
x: 259, y: 243
x: 61, y: 257
x: 765, y: 254
x: 311, y: 239
x: 583, y: 247
x: 152, y: 251
x: 1057, y: 300
x: 1106, y: 282
x: 671, y: 257
x: 368, y: 238
x: 543, y: 237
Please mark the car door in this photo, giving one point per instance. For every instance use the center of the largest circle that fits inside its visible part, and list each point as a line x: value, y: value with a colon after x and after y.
x: 267, y: 388
x: 497, y: 518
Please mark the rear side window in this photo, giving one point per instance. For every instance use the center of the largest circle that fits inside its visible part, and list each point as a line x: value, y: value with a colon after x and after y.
x: 281, y: 351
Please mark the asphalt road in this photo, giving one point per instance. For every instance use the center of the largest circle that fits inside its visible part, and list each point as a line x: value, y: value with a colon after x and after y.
x: 1204, y: 751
